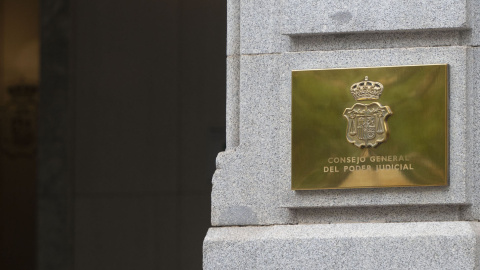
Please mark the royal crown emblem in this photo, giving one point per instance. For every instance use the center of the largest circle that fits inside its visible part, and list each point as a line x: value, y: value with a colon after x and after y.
x: 367, y: 126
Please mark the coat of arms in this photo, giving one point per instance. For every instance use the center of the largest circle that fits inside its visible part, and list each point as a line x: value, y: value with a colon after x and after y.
x: 367, y: 126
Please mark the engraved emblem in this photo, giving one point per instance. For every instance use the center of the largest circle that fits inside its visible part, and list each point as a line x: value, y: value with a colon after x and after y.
x: 367, y: 126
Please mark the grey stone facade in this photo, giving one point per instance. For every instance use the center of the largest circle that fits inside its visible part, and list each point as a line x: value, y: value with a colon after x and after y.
x: 266, y: 41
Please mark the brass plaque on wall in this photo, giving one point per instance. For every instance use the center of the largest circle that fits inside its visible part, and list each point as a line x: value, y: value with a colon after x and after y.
x: 370, y: 127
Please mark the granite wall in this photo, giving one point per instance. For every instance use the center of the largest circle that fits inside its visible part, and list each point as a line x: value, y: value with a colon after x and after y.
x: 251, y: 187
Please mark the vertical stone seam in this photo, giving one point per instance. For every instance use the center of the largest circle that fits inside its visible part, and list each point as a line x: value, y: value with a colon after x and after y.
x: 469, y: 132
x: 475, y: 226
x: 471, y: 163
x: 233, y: 74
x: 233, y: 27
x: 233, y: 102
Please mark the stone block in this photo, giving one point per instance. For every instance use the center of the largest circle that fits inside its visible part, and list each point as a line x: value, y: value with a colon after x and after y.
x: 333, y: 17
x: 429, y: 245
x: 252, y: 183
x: 269, y: 26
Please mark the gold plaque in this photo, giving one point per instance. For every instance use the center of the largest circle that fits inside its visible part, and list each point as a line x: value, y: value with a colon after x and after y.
x: 370, y: 127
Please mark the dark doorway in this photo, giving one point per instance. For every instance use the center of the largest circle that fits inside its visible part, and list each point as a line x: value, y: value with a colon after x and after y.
x: 132, y: 110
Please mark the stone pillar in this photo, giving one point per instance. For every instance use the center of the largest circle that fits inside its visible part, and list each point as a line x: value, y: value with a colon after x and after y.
x: 259, y: 222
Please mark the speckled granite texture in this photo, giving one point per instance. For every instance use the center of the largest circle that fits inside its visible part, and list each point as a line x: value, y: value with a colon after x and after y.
x: 473, y: 135
x: 268, y: 39
x: 255, y: 176
x: 269, y: 26
x: 429, y: 245
x: 333, y: 16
